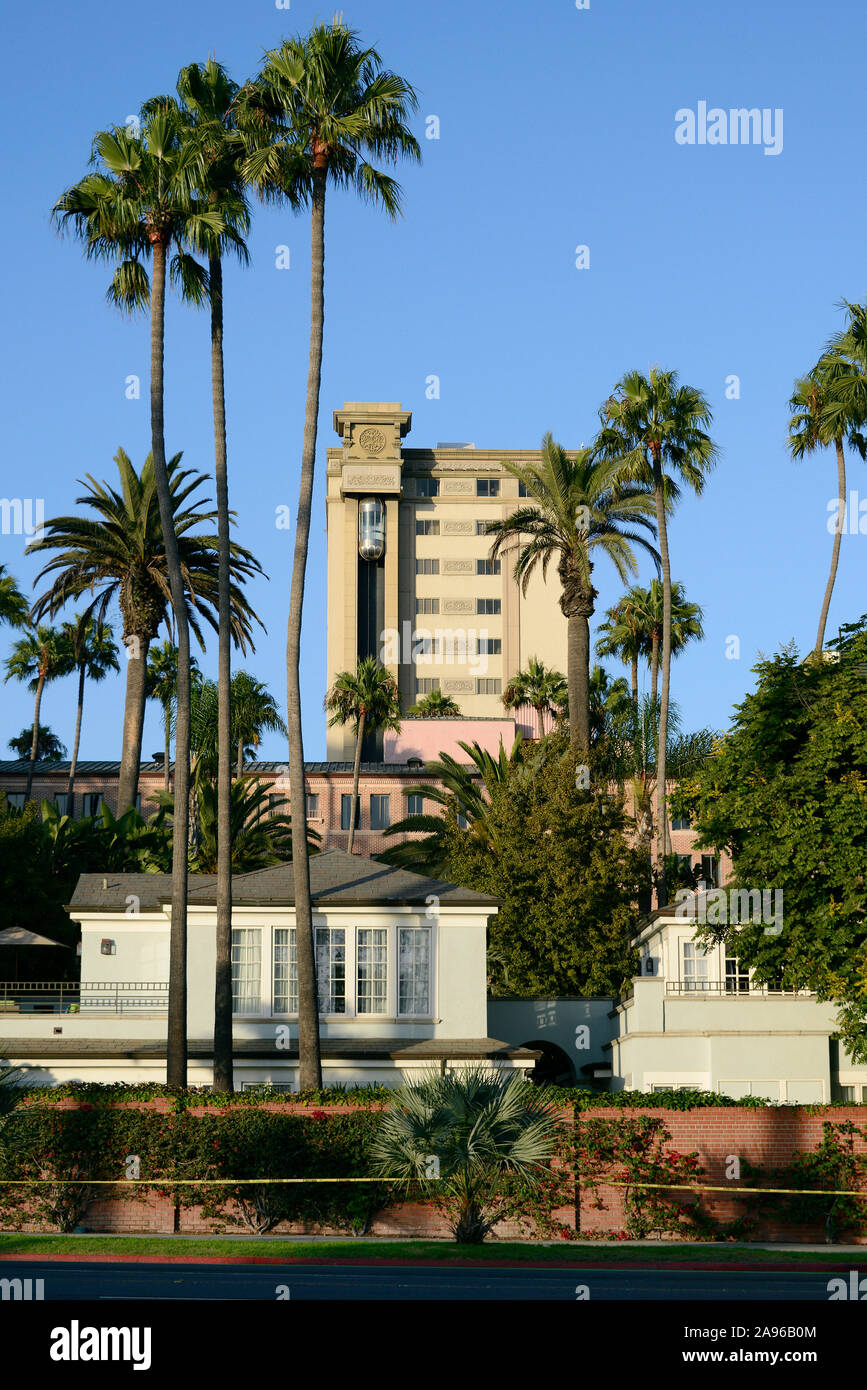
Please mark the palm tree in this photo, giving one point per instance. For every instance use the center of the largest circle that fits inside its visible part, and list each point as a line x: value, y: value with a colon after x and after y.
x: 435, y: 705
x: 539, y: 686
x: 139, y: 202
x: 49, y: 748
x: 161, y: 684
x: 368, y: 698
x: 829, y: 410
x: 118, y: 553
x: 655, y: 429
x: 208, y: 95
x: 38, y: 657
x: 479, y: 1125
x: 259, y: 836
x: 325, y: 106
x: 623, y: 633
x: 13, y: 604
x: 254, y: 712
x: 92, y: 653
x: 575, y: 509
x: 635, y: 624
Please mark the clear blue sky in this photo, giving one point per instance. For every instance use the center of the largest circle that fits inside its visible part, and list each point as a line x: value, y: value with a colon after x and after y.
x: 556, y: 129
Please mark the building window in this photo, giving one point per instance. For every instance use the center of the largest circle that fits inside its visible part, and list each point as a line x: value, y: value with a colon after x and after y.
x: 413, y: 967
x: 482, y: 527
x: 489, y: 606
x: 710, y: 870
x: 62, y: 801
x: 853, y: 1095
x: 285, y: 971
x: 372, y: 971
x: 487, y: 487
x: 90, y: 803
x: 427, y: 605
x: 415, y: 805
x: 425, y: 685
x: 737, y: 976
x: 380, y: 811
x: 427, y: 566
x: 488, y: 685
x: 490, y: 646
x: 427, y: 528
x: 246, y: 970
x: 275, y: 802
x: 346, y: 811
x: 694, y: 967
x: 138, y: 802
x: 461, y: 820
x: 312, y: 800
x: 426, y: 646
x: 522, y: 489
x: 331, y: 969
x: 16, y: 799
x: 427, y: 487
x: 487, y: 567
x: 680, y: 823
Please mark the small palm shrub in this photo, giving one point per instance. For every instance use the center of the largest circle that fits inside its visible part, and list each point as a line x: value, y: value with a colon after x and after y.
x: 473, y: 1141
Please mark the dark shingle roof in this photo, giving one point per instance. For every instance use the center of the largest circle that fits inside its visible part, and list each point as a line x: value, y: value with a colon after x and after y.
x: 335, y: 877
x: 361, y: 1049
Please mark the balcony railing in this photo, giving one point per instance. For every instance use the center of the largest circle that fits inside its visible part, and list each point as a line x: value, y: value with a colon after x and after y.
x: 74, y: 996
x: 734, y: 989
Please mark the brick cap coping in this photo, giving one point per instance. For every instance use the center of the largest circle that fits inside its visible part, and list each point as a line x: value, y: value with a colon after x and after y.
x: 458, y: 1263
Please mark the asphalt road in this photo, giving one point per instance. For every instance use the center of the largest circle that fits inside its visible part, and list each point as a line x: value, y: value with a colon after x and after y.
x: 418, y: 1283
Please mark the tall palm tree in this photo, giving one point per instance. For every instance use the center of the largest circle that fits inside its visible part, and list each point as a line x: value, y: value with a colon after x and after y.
x: 92, y: 653
x: 139, y: 201
x: 117, y: 552
x: 541, y: 687
x: 254, y: 713
x: 325, y: 107
x: 435, y: 705
x: 162, y: 686
x: 635, y: 626
x: 38, y: 657
x: 13, y: 605
x: 368, y: 698
x: 207, y: 95
x: 49, y: 748
x: 623, y: 634
x: 657, y: 430
x: 829, y: 410
x: 575, y: 510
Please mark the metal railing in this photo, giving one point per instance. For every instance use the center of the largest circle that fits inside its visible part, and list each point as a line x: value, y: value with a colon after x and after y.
x: 734, y: 989
x: 77, y: 996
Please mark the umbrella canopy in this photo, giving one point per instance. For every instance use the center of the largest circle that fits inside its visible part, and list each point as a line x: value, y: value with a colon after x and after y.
x: 19, y: 936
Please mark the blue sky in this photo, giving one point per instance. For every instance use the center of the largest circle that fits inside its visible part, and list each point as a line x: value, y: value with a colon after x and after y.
x: 557, y: 129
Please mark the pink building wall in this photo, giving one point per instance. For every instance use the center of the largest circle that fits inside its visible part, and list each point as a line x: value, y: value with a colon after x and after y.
x: 429, y: 738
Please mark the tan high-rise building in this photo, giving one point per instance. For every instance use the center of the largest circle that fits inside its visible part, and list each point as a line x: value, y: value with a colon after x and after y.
x: 409, y: 574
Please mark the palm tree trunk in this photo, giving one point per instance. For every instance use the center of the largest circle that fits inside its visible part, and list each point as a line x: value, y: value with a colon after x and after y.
x: 309, y: 1061
x: 34, y: 742
x: 635, y: 681
x: 540, y: 720
x: 223, y: 1073
x: 176, y: 1042
x: 70, y: 786
x: 654, y: 663
x: 661, y: 812
x: 578, y: 680
x: 167, y: 731
x: 356, y: 774
x: 240, y: 758
x: 133, y: 720
x: 835, y: 550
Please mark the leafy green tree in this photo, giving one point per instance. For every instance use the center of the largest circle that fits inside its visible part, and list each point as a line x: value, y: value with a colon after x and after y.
x: 49, y: 748
x: 38, y: 657
x: 786, y: 795
x: 829, y: 410
x: 91, y: 654
x: 435, y: 705
x: 478, y: 1126
x: 368, y: 698
x: 324, y: 109
x: 559, y: 857
x: 575, y: 512
x: 13, y: 604
x: 541, y: 687
x: 657, y: 429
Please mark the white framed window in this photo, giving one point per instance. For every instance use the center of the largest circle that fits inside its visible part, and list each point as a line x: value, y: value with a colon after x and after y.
x: 695, y: 966
x: 371, y: 990
x: 18, y: 800
x: 413, y: 971
x: 331, y: 969
x: 284, y: 970
x: 246, y: 970
x: 737, y: 976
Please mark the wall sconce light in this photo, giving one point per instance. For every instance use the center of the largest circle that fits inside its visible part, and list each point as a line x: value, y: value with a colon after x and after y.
x: 107, y: 947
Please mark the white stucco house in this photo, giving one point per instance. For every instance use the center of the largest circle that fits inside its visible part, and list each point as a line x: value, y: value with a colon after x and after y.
x: 401, y: 967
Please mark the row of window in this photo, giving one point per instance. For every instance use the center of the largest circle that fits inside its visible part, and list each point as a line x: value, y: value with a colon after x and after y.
x: 433, y: 566
x: 425, y: 527
x: 485, y: 487
x: 89, y: 802
x: 489, y: 607
x: 360, y: 971
x: 485, y: 685
x: 433, y: 646
x: 379, y: 810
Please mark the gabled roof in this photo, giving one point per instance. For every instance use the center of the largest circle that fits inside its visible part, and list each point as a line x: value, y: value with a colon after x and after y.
x: 335, y: 878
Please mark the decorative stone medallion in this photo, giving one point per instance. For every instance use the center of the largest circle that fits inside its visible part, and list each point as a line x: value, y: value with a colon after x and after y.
x: 372, y: 441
